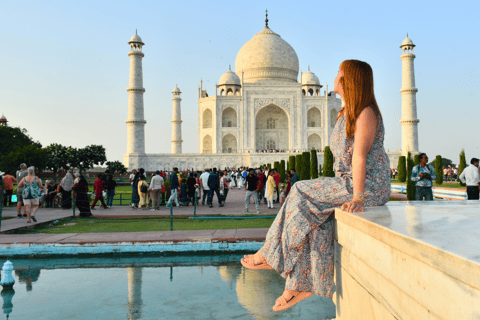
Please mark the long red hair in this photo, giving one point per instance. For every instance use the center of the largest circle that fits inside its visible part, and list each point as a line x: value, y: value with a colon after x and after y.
x: 358, y: 93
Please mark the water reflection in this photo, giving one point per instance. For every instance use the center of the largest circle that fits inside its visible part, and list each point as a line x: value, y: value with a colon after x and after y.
x: 134, y: 293
x: 7, y: 295
x: 28, y: 277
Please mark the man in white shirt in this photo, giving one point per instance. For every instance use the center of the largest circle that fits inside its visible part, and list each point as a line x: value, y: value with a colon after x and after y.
x: 156, y: 190
x: 471, y: 178
x: 204, y: 182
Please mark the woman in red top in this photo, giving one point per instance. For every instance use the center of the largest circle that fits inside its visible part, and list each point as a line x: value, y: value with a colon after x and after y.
x: 8, y: 179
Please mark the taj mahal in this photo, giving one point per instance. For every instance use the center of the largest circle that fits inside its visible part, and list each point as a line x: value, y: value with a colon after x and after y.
x: 263, y: 111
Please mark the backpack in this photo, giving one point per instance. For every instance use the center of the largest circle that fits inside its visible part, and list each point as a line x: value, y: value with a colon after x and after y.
x: 31, y: 190
x: 143, y: 188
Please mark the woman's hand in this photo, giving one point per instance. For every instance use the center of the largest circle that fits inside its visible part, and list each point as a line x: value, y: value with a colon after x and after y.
x: 353, y: 206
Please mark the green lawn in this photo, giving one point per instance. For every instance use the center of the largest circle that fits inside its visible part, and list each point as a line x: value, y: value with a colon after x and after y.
x: 146, y: 224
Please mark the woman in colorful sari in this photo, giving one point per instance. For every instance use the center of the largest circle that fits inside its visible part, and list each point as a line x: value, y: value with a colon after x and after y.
x: 299, y: 244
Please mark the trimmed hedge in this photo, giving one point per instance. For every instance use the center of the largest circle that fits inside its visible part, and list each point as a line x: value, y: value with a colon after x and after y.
x: 328, y: 163
x: 313, y: 164
x: 299, y: 164
x: 410, y: 183
x: 402, y: 169
x: 438, y: 170
x: 291, y: 163
x: 282, y: 171
x: 461, y: 166
x: 306, y: 165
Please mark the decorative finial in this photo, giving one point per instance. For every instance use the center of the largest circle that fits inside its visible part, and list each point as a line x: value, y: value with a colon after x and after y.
x: 407, y: 34
x: 136, y: 32
x: 266, y: 18
x: 229, y: 67
x: 308, y: 67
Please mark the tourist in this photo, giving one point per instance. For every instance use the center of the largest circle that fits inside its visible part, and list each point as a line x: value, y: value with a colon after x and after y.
x: 173, y: 187
x: 204, y: 184
x: 50, y: 193
x: 111, y: 184
x: 261, y: 186
x: 251, y: 189
x: 135, y: 195
x: 270, y: 189
x: 2, y: 188
x: 214, y: 185
x: 98, y: 187
x: 471, y: 178
x: 66, y: 190
x: 198, y: 189
x: 239, y: 179
x: 227, y: 183
x: 283, y: 193
x: 31, y: 192
x: 20, y: 175
x: 276, y: 177
x: 288, y: 182
x: 184, y: 198
x: 191, y: 182
x: 82, y: 199
x: 301, y: 249
x: 423, y: 174
x: 77, y: 177
x: 9, y: 180
x: 295, y: 176
x: 155, y: 188
x: 131, y: 178
x: 143, y: 192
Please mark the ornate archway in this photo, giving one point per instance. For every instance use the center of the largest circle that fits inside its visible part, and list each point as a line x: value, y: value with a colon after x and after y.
x: 314, y: 142
x: 207, y: 144
x: 229, y: 144
x: 271, y: 129
x: 229, y: 118
x: 314, y: 118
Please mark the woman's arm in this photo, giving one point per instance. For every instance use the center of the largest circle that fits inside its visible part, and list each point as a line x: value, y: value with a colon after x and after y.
x: 20, y: 185
x: 365, y: 130
x: 39, y: 182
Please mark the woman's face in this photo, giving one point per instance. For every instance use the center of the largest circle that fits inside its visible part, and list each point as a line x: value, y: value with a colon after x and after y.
x: 338, y: 88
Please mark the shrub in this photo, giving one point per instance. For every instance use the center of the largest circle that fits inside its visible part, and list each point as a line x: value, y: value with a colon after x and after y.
x: 291, y: 163
x: 328, y: 163
x: 320, y: 170
x: 416, y: 159
x: 269, y: 166
x: 313, y: 164
x: 402, y: 170
x: 299, y: 165
x: 282, y: 170
x: 306, y: 165
x: 438, y: 170
x: 410, y: 183
x: 461, y: 166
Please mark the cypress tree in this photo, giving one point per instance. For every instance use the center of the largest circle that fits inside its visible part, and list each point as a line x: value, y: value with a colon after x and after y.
x: 402, y: 170
x: 410, y: 184
x: 276, y: 166
x: 320, y: 170
x: 328, y: 163
x: 282, y: 170
x: 299, y: 165
x: 416, y: 159
x: 313, y: 164
x: 438, y: 170
x: 269, y: 166
x: 461, y: 166
x: 306, y: 165
x: 291, y: 162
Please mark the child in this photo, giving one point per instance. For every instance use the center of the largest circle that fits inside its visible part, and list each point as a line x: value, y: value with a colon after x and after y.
x: 283, y: 193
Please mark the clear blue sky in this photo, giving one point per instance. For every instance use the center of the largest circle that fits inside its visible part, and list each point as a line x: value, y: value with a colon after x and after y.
x: 64, y: 65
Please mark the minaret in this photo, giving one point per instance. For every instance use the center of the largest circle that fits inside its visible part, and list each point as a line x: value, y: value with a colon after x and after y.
x: 136, y: 121
x: 409, y: 100
x: 176, y: 122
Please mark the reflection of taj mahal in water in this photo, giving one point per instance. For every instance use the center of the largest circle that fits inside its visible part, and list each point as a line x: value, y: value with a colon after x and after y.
x: 261, y: 106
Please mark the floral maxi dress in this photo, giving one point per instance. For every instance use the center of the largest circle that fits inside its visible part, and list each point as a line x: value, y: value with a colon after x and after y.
x: 299, y: 244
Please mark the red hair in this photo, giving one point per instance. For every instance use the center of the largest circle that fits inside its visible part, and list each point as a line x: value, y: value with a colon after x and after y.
x: 358, y: 93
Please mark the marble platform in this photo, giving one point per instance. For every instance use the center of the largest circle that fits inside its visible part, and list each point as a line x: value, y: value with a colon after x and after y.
x: 409, y: 260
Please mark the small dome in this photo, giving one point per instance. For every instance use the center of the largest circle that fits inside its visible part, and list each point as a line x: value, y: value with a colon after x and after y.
x: 3, y: 117
x: 136, y: 39
x: 407, y: 42
x: 229, y: 77
x: 309, y: 78
x: 176, y: 90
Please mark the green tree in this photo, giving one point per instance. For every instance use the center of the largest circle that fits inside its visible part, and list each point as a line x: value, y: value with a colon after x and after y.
x: 116, y: 166
x: 282, y: 170
x: 402, y: 170
x: 439, y: 170
x: 313, y: 165
x: 328, y: 163
x: 306, y: 165
x: 416, y: 159
x: 291, y: 162
x: 269, y: 166
x: 299, y: 165
x: 13, y: 143
x: 462, y: 165
x: 320, y: 173
x: 410, y: 184
x: 31, y: 155
x: 89, y: 156
x: 58, y: 157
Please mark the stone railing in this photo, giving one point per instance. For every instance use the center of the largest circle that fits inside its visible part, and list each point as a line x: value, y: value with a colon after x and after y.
x: 408, y: 260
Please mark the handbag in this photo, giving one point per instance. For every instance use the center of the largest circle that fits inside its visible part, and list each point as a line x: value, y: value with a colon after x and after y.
x: 143, y: 188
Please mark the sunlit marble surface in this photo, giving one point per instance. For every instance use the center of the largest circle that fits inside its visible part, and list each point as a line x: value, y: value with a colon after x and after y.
x: 450, y: 225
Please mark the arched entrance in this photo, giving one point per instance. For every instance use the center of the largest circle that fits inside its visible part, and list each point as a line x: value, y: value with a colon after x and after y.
x: 207, y: 144
x: 314, y: 142
x: 229, y: 144
x: 271, y: 129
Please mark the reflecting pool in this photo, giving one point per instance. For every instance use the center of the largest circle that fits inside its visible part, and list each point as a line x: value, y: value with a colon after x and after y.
x: 147, y: 287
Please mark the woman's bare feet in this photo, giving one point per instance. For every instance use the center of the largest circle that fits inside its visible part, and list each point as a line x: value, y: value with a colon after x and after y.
x: 289, y: 298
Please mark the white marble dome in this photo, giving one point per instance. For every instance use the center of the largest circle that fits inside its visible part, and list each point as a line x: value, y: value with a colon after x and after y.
x: 407, y: 42
x: 3, y: 117
x: 229, y: 77
x: 176, y: 90
x: 136, y: 38
x: 267, y: 57
x: 309, y: 78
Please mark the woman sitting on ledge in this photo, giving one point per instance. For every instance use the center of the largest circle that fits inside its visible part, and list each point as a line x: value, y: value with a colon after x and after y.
x: 299, y: 244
